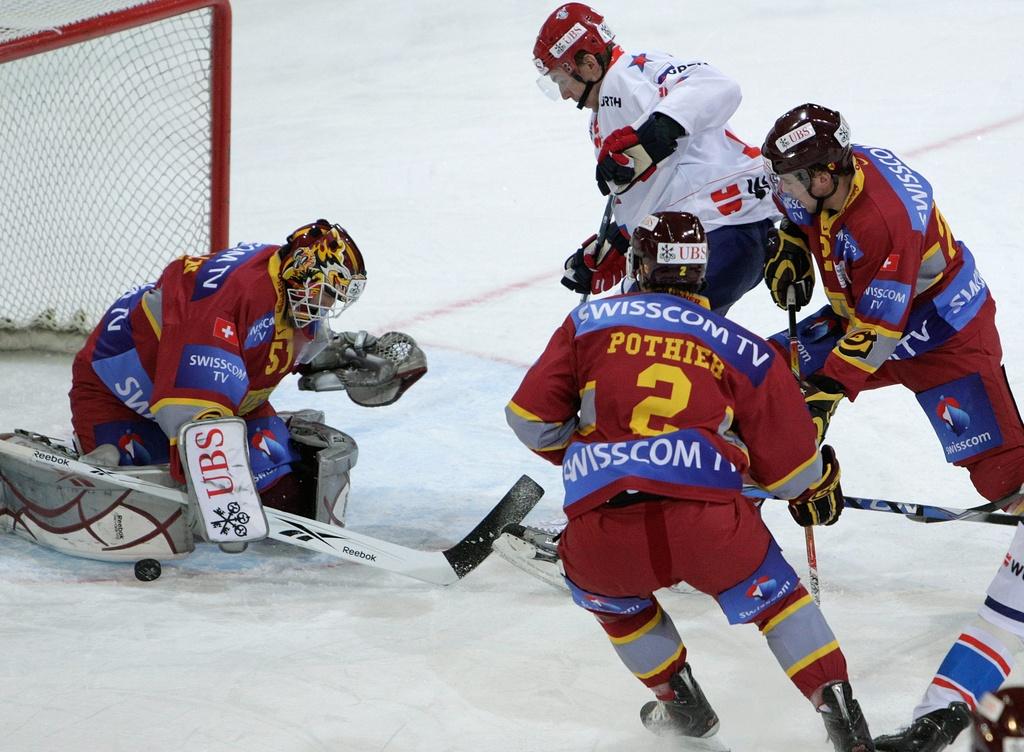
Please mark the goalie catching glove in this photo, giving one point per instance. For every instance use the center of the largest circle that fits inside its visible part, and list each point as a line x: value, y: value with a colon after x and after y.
x: 595, y: 270
x: 374, y: 371
x: 629, y: 156
x: 822, y: 502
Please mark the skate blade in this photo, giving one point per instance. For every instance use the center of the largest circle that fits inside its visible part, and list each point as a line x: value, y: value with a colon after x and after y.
x: 530, y: 559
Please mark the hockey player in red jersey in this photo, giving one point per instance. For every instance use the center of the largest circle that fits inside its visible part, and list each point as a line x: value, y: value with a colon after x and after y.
x: 907, y: 305
x: 212, y: 338
x: 657, y: 409
x: 661, y: 135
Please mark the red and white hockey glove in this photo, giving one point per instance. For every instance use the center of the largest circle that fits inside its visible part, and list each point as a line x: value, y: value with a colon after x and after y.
x: 592, y: 270
x: 822, y: 502
x: 630, y: 156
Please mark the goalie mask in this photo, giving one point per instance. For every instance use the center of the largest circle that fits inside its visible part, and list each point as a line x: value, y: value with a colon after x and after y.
x: 321, y: 267
x: 669, y: 253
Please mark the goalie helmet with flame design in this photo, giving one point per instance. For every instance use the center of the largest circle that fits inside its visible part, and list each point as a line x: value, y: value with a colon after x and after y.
x: 320, y: 268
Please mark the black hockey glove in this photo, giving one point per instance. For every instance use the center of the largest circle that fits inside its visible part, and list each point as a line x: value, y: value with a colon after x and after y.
x: 822, y: 396
x: 594, y: 270
x: 788, y: 263
x: 577, y: 276
x: 822, y: 502
x: 628, y: 156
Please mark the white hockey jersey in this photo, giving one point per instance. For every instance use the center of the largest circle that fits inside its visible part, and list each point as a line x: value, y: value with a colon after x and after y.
x: 712, y: 173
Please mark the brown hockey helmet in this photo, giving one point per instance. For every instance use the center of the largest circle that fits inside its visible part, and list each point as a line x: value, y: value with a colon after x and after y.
x: 999, y: 722
x: 808, y: 136
x: 669, y: 251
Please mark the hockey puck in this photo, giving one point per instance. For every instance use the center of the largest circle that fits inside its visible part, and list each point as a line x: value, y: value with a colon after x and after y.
x: 147, y: 570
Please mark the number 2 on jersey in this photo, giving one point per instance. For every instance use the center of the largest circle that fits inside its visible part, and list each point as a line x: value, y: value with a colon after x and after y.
x: 660, y: 407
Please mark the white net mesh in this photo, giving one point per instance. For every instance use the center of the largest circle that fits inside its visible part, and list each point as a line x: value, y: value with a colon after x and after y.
x: 106, y: 162
x: 22, y: 18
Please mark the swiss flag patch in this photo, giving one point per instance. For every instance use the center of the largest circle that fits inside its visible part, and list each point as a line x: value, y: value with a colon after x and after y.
x: 892, y: 263
x: 225, y: 330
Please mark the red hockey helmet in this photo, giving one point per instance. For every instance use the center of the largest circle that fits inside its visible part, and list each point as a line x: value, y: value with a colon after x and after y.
x: 571, y: 29
x: 321, y: 266
x: 669, y: 250
x: 999, y: 722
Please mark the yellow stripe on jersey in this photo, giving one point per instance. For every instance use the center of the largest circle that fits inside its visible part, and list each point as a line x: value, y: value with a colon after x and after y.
x: 208, y: 409
x: 809, y: 659
x: 786, y: 613
x: 152, y: 319
x: 796, y: 472
x: 663, y: 666
x: 637, y: 634
x: 527, y: 415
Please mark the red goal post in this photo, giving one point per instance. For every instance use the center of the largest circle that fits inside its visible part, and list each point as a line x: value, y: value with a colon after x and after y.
x: 114, y: 153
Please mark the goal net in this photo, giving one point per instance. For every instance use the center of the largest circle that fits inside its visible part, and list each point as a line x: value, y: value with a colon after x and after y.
x: 114, y: 128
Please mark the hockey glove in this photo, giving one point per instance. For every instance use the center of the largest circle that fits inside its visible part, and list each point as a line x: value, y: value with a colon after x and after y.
x: 374, y: 371
x: 577, y: 276
x: 628, y: 156
x: 822, y: 502
x: 822, y: 396
x: 603, y: 267
x: 788, y: 263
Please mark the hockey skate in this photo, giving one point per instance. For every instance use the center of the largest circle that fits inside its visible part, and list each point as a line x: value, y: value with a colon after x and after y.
x: 689, y: 715
x: 929, y: 733
x: 534, y: 550
x: 844, y: 721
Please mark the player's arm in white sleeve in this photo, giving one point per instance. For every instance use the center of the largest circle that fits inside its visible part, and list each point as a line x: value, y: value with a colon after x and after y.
x: 700, y: 97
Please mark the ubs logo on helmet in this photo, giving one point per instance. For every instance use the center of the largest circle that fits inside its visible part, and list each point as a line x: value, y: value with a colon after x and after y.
x: 952, y: 415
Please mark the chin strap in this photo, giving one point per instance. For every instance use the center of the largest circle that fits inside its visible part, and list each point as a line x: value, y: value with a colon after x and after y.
x: 589, y: 85
x: 822, y: 199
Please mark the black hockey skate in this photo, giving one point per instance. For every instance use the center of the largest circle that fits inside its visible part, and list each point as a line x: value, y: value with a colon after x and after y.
x: 688, y: 715
x: 929, y: 733
x: 844, y: 721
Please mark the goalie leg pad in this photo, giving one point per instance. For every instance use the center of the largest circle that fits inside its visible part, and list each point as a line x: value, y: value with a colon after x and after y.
x: 330, y: 454
x: 215, y: 458
x: 86, y: 517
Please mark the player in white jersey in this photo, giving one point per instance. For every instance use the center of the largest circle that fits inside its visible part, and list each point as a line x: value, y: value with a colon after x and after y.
x: 661, y: 133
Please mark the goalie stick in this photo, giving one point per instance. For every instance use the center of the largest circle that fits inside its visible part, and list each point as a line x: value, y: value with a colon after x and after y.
x: 436, y: 567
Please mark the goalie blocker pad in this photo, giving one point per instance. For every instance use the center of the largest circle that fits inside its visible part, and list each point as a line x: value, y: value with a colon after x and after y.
x: 215, y: 457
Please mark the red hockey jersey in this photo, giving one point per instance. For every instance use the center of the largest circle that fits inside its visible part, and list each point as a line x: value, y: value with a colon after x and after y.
x: 651, y: 392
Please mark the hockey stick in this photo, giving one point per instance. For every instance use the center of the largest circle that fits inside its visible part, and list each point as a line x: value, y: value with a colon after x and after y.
x: 928, y: 513
x: 602, y: 233
x: 437, y: 567
x: 794, y: 364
